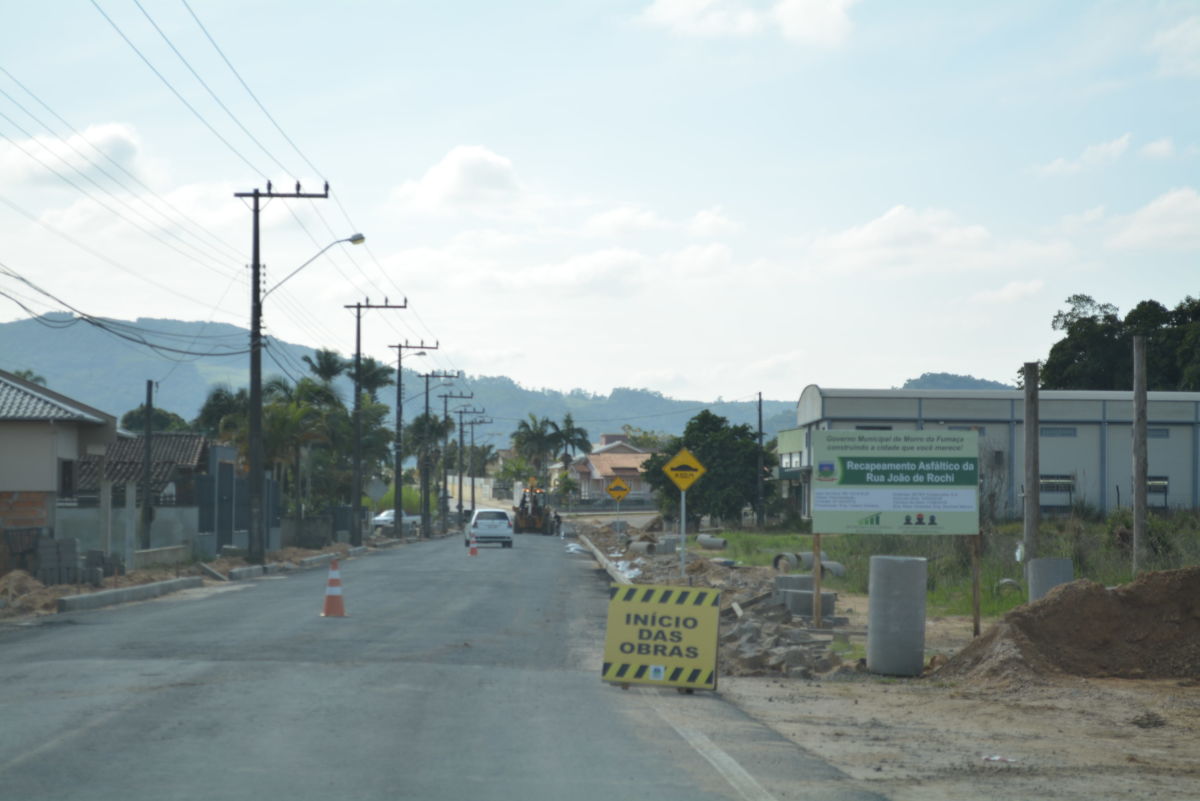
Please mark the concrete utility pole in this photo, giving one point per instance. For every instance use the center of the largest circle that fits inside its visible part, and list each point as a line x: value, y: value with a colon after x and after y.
x: 461, y: 411
x: 356, y: 526
x: 257, y: 544
x: 472, y: 423
x: 423, y: 457
x: 760, y: 512
x: 1033, y: 485
x: 1140, y: 459
x: 399, y: 509
x: 147, y: 467
x: 444, y: 499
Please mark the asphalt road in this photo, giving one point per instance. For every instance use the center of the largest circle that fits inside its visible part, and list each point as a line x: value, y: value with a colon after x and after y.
x: 453, y: 677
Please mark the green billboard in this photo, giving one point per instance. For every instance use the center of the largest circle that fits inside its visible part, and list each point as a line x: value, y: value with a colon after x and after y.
x: 895, y: 482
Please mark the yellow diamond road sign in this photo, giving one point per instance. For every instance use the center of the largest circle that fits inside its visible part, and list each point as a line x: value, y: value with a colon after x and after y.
x: 618, y: 489
x: 684, y: 468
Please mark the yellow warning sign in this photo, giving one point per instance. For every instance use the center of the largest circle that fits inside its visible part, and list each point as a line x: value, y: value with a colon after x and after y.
x: 659, y: 635
x: 618, y: 489
x: 684, y: 468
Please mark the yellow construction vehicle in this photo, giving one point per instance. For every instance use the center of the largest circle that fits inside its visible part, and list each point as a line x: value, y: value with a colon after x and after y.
x: 533, y: 514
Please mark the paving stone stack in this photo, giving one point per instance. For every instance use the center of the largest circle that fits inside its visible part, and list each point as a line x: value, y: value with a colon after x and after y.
x: 773, y: 641
x: 58, y: 561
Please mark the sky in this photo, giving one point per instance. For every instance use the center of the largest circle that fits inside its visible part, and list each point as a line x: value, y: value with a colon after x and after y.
x: 706, y: 198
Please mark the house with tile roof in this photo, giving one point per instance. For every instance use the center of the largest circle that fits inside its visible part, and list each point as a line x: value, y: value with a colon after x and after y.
x: 44, y: 436
x: 614, y: 458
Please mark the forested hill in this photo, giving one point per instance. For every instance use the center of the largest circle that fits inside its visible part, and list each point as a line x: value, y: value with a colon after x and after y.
x: 109, y: 373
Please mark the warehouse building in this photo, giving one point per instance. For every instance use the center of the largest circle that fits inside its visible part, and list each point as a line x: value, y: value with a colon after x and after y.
x: 1086, y: 450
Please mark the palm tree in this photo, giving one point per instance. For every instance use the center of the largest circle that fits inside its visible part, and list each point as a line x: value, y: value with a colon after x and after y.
x: 220, y: 409
x: 327, y: 365
x: 374, y: 375
x: 572, y: 438
x: 534, y: 439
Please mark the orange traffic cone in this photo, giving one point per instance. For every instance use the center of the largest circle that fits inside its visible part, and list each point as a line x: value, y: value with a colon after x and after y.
x: 474, y: 546
x: 334, y: 606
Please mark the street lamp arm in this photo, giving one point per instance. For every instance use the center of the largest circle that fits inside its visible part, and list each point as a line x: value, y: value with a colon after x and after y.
x: 356, y: 239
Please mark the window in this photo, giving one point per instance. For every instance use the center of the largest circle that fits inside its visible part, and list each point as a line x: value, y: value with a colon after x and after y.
x: 1157, y: 485
x: 66, y: 478
x: 1157, y: 433
x: 1058, y: 431
x: 1057, y: 483
x: 872, y: 428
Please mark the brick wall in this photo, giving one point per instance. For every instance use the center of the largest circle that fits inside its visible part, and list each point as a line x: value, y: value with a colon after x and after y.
x: 25, y: 509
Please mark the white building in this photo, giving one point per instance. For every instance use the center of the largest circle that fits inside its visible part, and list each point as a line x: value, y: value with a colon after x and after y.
x: 1086, y: 451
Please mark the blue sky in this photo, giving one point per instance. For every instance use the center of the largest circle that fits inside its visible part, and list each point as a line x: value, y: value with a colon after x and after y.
x: 707, y: 198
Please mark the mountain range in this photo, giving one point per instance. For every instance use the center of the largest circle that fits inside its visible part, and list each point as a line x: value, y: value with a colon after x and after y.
x: 107, y: 367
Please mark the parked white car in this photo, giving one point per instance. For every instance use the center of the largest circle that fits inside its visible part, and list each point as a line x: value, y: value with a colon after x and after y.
x: 491, y: 525
x: 387, y: 518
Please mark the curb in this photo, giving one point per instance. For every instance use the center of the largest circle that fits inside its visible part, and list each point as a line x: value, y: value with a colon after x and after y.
x: 608, y: 566
x: 94, y: 600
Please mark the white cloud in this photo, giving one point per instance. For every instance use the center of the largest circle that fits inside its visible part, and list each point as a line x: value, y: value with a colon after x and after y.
x: 904, y: 239
x: 712, y: 222
x: 1159, y: 149
x: 24, y: 160
x: 825, y: 23
x: 624, y: 220
x: 1178, y: 49
x: 1009, y: 293
x: 704, y: 17
x: 1169, y: 222
x: 1092, y: 156
x: 822, y: 23
x: 468, y: 178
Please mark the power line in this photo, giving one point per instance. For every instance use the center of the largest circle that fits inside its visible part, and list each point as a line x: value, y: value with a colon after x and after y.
x: 175, y: 92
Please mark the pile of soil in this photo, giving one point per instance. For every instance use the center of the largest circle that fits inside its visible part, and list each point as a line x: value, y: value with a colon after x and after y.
x: 1149, y: 628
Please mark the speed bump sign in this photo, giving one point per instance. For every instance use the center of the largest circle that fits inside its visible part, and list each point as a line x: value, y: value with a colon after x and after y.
x: 618, y: 489
x: 684, y: 469
x: 665, y: 636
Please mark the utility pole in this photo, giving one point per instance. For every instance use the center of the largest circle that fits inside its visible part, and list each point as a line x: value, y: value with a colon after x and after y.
x: 444, y: 499
x: 147, y: 467
x: 356, y: 526
x: 423, y: 458
x: 461, y: 411
x: 472, y: 423
x: 1033, y: 478
x: 258, y: 543
x: 399, y: 509
x: 759, y: 511
x: 1140, y: 460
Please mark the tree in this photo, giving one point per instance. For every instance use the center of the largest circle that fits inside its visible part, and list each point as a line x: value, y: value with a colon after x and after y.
x: 135, y: 420
x: 730, y: 457
x: 221, y: 404
x: 30, y: 376
x: 327, y: 365
x: 652, y: 441
x: 375, y: 375
x: 534, y: 440
x: 1097, y: 345
x: 571, y: 438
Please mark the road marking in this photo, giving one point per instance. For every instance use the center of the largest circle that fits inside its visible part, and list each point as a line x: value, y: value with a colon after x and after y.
x: 740, y: 780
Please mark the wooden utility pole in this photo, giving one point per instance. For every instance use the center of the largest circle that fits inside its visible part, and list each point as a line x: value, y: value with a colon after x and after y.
x: 1033, y: 485
x: 1140, y: 461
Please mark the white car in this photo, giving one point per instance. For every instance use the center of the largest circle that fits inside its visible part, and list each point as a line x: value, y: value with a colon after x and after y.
x: 388, y: 517
x: 490, y: 525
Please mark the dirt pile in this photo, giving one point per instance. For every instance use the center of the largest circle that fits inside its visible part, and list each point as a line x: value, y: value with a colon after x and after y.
x: 1149, y: 628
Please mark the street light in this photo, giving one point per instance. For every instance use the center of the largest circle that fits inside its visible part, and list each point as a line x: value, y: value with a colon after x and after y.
x: 257, y: 531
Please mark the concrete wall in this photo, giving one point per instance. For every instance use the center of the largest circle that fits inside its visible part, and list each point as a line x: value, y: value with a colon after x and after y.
x: 173, y: 525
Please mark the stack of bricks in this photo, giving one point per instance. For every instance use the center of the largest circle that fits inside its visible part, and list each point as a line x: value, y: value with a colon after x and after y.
x: 58, y: 561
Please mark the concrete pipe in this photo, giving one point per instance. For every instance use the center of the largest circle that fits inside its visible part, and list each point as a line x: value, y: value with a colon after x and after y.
x: 896, y: 616
x: 642, y: 546
x: 785, y: 562
x: 668, y: 545
x: 800, y: 602
x: 1045, y: 574
x: 711, y: 543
